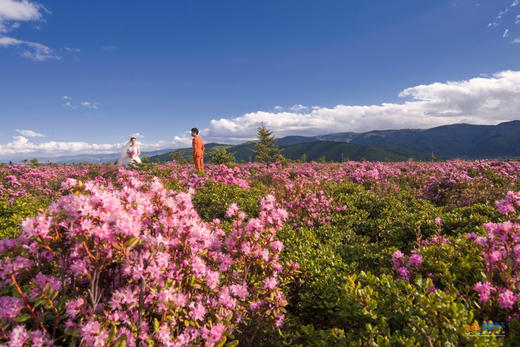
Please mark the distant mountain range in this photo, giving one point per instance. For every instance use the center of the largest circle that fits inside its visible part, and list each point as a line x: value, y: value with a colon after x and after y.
x: 314, y: 151
x: 464, y: 141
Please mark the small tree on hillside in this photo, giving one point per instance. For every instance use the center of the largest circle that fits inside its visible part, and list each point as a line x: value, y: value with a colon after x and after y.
x: 178, y: 157
x: 221, y: 156
x: 266, y: 150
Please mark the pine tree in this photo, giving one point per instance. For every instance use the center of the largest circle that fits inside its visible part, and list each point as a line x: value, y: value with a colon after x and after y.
x: 178, y: 157
x: 266, y: 150
x: 221, y: 156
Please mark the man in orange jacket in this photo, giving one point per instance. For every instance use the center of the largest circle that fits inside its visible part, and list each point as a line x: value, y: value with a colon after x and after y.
x: 198, y: 150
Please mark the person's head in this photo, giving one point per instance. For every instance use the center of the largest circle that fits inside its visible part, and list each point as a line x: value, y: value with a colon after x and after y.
x: 132, y: 140
x: 194, y: 132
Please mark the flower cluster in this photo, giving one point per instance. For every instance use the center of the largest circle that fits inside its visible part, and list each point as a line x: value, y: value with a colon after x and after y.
x: 132, y: 261
x: 405, y: 268
x: 501, y: 255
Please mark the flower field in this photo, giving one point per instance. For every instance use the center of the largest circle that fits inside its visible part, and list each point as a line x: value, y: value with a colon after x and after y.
x: 308, y: 254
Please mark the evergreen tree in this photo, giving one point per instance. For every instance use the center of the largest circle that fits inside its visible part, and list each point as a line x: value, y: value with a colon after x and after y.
x: 266, y: 150
x: 178, y: 157
x: 221, y: 156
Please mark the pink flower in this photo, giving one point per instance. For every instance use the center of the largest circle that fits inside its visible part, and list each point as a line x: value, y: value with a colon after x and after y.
x: 415, y: 260
x: 214, y: 334
x: 485, y: 289
x: 277, y: 246
x: 270, y: 283
x: 198, y: 311
x: 232, y: 210
x: 506, y: 299
x: 403, y: 271
x: 398, y: 258
x: 240, y: 290
x: 18, y: 336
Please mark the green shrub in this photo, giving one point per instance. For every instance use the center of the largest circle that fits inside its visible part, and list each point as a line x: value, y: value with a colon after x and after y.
x: 392, y: 220
x: 13, y: 213
x: 313, y: 295
x: 213, y: 200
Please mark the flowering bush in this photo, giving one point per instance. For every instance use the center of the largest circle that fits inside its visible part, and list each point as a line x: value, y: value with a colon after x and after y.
x: 501, y: 253
x: 165, y: 256
x: 131, y: 261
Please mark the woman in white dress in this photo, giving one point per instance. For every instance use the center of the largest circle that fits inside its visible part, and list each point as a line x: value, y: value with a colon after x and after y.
x: 131, y: 153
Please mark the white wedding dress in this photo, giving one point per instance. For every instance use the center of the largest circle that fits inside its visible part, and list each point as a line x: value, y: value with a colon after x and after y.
x: 129, y: 156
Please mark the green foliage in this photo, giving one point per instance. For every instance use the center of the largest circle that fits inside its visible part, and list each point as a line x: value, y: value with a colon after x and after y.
x: 12, y: 213
x: 213, y: 200
x: 266, y: 150
x: 469, y: 219
x: 381, y: 311
x: 178, y: 157
x: 392, y: 220
x: 455, y: 265
x: 313, y: 295
x: 221, y: 156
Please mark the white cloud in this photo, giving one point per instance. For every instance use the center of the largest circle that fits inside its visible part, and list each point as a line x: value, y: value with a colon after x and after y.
x: 502, y: 15
x: 72, y: 49
x: 109, y: 48
x: 29, y: 133
x: 487, y: 99
x: 33, y: 50
x: 38, y: 52
x: 298, y: 107
x: 9, y: 41
x: 90, y: 105
x: 22, y: 148
x: 505, y: 34
x: 278, y: 108
x: 137, y: 135
x: 481, y: 100
x: 12, y: 12
x: 517, y: 40
x: 18, y: 11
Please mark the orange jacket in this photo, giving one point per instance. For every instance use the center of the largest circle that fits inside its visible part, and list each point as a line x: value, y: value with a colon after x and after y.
x: 198, y: 146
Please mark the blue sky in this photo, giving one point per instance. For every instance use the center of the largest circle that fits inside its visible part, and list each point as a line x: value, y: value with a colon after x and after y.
x: 81, y: 76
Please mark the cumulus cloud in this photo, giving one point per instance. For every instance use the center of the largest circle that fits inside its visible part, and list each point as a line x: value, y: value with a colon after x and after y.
x: 29, y: 133
x: 21, y: 147
x: 481, y: 100
x: 18, y: 11
x: 487, y: 99
x: 31, y: 50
